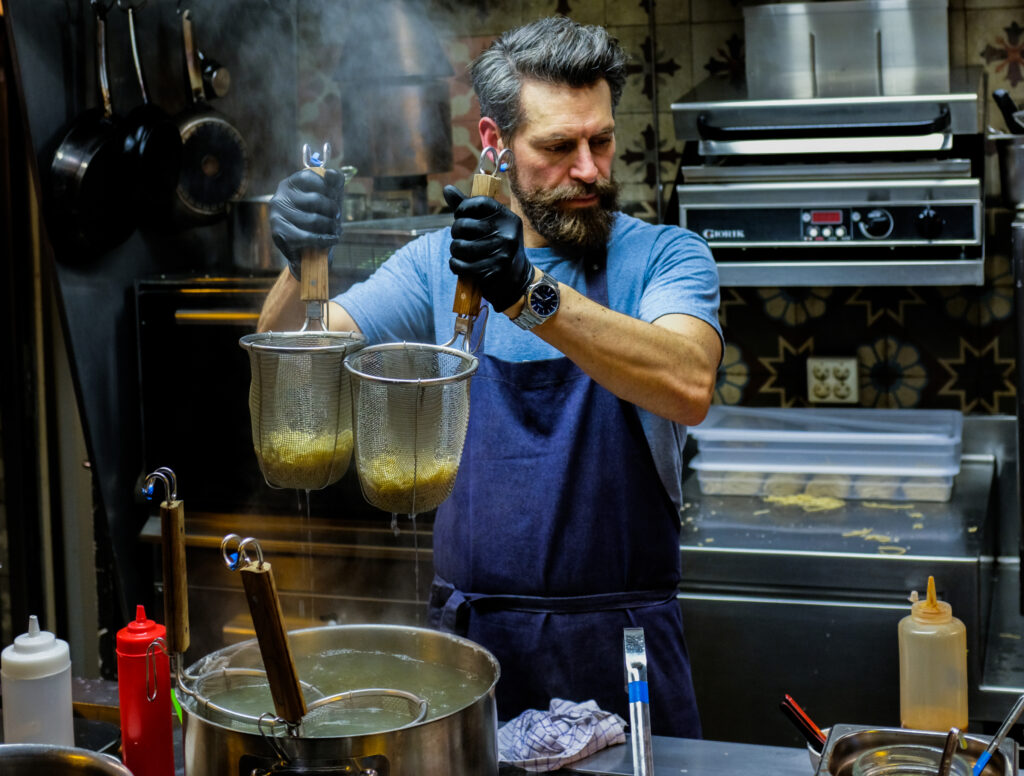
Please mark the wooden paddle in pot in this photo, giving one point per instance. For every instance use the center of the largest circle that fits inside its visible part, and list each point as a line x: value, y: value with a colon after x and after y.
x: 152, y: 139
x: 215, y: 160
x: 93, y: 202
x: 268, y: 621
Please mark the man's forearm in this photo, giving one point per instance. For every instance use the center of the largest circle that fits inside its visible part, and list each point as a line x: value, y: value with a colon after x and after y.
x: 667, y: 367
x: 282, y: 309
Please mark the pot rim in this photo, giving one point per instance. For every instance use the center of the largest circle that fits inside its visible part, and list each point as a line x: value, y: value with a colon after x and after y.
x: 230, y: 649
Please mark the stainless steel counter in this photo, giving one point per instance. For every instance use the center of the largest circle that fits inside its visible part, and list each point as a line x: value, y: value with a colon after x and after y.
x: 675, y: 756
x: 777, y: 600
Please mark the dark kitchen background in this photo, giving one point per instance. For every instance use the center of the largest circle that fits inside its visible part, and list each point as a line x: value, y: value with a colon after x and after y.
x: 120, y: 360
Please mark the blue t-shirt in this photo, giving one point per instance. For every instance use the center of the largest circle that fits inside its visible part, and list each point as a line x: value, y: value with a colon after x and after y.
x: 652, y: 271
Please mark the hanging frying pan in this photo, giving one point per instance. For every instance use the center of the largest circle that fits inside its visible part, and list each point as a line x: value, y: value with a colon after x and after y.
x: 214, y: 162
x: 92, y: 194
x: 152, y: 139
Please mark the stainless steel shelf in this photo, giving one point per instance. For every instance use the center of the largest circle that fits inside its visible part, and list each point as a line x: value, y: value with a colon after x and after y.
x: 962, y: 272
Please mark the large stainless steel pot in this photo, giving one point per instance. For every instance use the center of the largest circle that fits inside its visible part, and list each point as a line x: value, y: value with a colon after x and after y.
x: 35, y: 759
x: 457, y: 737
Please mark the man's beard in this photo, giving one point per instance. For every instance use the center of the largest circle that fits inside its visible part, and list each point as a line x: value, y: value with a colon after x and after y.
x: 572, y: 230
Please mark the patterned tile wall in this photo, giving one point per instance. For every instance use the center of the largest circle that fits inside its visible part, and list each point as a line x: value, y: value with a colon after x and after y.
x: 916, y: 347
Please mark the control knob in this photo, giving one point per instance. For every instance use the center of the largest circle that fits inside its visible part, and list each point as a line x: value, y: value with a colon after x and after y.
x: 876, y: 224
x: 930, y: 223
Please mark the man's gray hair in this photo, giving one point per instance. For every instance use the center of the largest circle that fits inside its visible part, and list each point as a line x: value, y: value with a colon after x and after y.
x: 556, y: 50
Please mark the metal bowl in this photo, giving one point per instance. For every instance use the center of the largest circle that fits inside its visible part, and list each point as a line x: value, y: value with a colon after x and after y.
x: 35, y: 759
x: 815, y: 756
x: 848, y: 742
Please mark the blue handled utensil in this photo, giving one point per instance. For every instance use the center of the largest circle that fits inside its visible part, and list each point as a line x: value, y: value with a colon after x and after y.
x: 997, y: 740
x: 639, y: 711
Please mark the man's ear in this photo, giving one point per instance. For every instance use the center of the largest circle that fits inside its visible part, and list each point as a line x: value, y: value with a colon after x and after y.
x: 490, y: 135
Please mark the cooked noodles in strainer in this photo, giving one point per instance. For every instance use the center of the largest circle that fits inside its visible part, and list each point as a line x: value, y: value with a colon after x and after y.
x: 411, y: 410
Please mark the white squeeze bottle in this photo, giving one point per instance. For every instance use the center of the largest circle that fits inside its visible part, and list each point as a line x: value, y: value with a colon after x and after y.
x: 933, y: 666
x: 35, y: 681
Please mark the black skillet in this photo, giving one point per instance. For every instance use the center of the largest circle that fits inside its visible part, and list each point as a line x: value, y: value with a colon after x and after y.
x: 152, y: 139
x: 215, y: 161
x: 92, y: 194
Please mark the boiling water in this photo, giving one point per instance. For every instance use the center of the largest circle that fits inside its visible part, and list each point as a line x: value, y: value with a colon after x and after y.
x: 445, y: 688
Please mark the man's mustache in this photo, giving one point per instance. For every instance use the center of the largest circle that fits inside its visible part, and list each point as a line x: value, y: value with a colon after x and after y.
x: 570, y: 191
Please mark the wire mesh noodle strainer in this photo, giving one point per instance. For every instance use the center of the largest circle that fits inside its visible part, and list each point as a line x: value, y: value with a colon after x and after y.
x: 300, y: 401
x: 300, y: 406
x: 411, y: 408
x: 411, y: 400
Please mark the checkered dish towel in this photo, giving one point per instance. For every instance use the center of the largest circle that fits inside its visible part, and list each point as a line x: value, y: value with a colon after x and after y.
x: 540, y: 741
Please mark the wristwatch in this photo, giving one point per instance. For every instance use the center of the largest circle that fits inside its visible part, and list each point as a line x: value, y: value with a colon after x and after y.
x: 541, y: 303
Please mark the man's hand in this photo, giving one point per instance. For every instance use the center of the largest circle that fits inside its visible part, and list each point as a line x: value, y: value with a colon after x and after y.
x: 305, y: 212
x: 487, y: 248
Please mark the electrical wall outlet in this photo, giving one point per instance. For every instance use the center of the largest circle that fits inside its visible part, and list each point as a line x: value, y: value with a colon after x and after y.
x: 832, y: 380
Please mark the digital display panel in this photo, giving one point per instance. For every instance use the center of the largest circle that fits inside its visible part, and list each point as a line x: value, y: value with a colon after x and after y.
x: 826, y: 216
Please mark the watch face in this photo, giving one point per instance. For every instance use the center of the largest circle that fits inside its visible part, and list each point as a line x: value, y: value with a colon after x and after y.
x: 544, y: 300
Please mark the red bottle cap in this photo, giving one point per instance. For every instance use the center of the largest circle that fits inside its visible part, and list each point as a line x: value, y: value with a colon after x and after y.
x: 134, y: 639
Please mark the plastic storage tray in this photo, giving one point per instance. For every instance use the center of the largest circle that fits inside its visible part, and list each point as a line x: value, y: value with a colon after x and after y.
x: 905, y: 455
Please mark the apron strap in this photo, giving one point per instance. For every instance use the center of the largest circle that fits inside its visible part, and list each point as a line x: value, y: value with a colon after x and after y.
x: 450, y: 607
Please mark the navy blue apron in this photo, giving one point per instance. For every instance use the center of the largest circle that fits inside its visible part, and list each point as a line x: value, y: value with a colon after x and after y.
x: 559, y: 534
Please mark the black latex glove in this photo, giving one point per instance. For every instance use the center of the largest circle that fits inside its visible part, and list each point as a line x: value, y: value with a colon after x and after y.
x: 305, y: 212
x: 487, y: 248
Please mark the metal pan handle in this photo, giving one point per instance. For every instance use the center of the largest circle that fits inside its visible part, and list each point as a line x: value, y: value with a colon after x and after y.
x: 709, y: 131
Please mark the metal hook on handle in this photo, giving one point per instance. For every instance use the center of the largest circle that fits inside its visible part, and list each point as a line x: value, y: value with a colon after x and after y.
x: 151, y: 672
x: 166, y: 476
x: 273, y: 741
x: 501, y: 161
x: 313, y: 159
x: 169, y: 473
x: 505, y: 159
x: 240, y: 557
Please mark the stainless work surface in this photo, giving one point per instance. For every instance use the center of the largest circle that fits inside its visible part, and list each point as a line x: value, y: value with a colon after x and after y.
x: 675, y: 756
x: 773, y: 597
x: 760, y: 531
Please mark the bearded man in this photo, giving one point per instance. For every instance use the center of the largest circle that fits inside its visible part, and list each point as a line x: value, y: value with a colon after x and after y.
x: 563, y: 527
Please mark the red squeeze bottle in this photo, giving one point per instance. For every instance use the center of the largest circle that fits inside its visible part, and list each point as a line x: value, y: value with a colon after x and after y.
x: 146, y: 732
